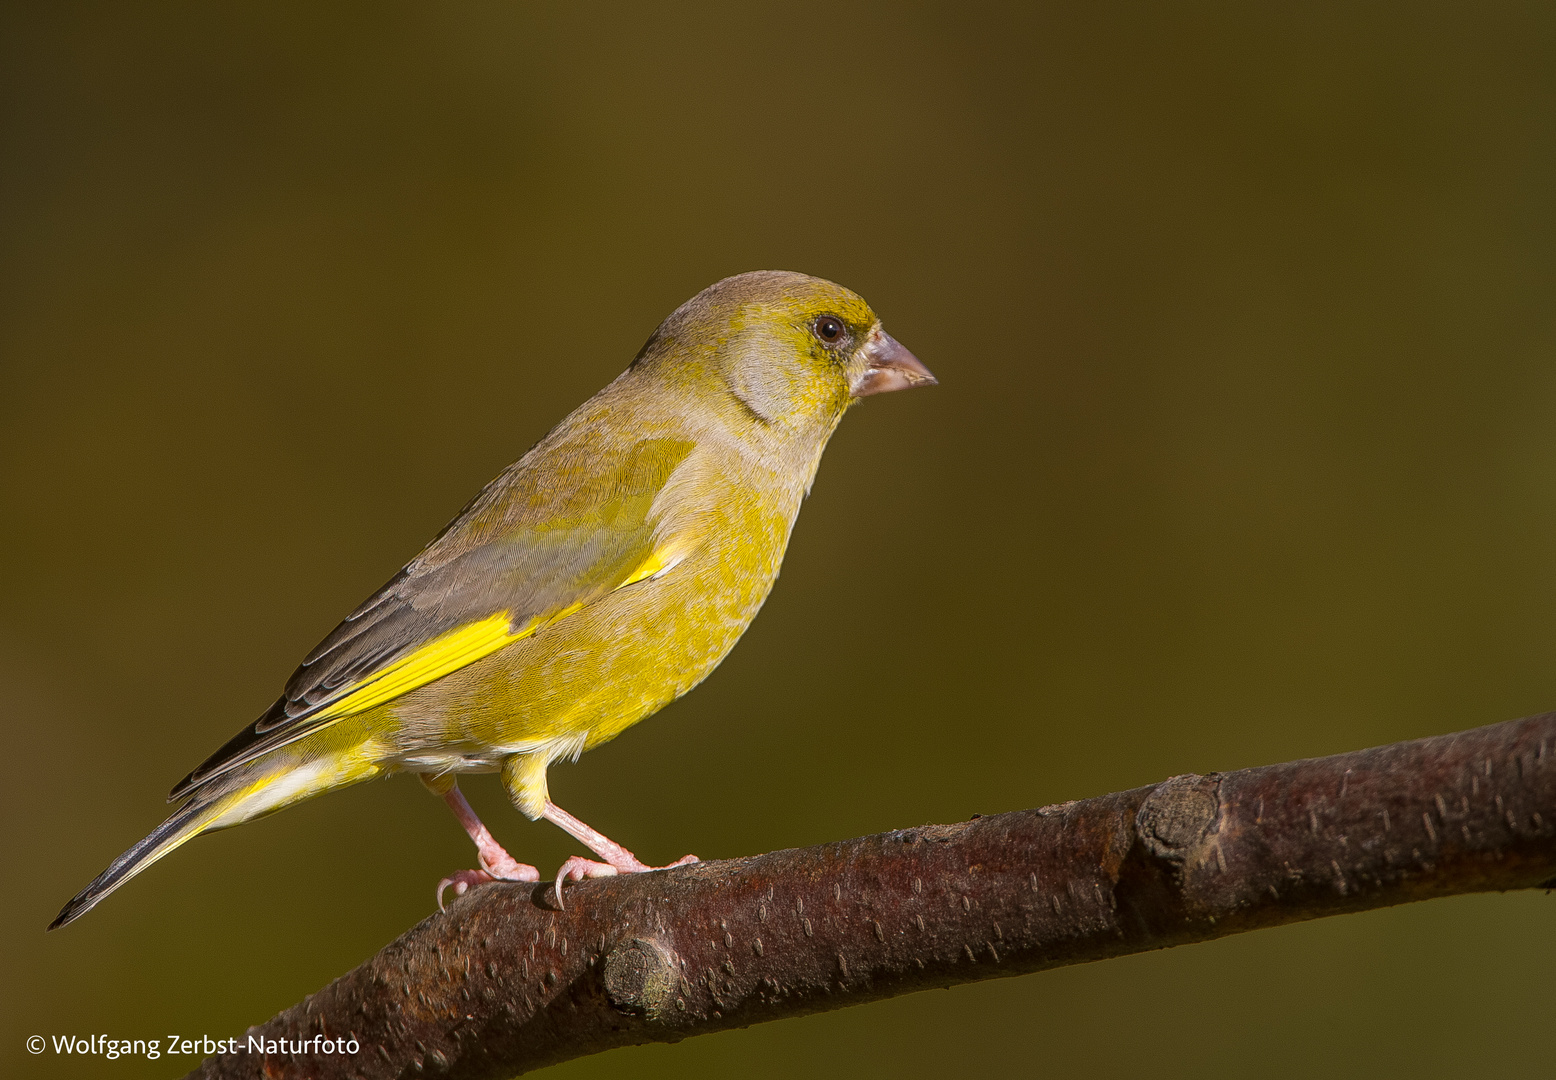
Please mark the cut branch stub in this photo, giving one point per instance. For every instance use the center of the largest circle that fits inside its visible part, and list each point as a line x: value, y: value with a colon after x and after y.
x: 641, y: 976
x: 1179, y: 815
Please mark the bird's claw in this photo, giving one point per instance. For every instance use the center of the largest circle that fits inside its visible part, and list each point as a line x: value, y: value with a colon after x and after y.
x: 576, y: 868
x: 492, y: 869
x: 461, y: 882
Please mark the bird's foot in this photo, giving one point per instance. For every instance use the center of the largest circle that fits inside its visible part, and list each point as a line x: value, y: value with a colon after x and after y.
x: 493, y: 868
x: 618, y: 860
x: 496, y: 863
x: 577, y: 868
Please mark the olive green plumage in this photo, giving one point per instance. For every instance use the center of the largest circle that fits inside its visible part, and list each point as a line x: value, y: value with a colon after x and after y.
x: 604, y: 574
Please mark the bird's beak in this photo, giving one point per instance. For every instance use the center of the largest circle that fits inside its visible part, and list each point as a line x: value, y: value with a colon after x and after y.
x: 891, y: 367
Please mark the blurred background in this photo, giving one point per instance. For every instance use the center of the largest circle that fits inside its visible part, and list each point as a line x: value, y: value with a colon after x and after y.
x: 1244, y: 318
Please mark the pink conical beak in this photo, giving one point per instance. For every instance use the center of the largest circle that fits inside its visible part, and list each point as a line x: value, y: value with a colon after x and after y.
x: 891, y: 368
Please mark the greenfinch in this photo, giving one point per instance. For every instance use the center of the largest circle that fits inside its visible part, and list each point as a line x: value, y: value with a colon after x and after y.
x: 597, y: 579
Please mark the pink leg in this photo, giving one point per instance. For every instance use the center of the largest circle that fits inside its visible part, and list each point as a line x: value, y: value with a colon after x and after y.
x: 618, y: 860
x: 496, y: 864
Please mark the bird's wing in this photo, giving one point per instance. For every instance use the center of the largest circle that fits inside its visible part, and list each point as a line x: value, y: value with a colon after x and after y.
x: 516, y: 559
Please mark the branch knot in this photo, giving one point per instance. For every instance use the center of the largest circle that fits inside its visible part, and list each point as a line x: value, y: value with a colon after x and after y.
x: 1179, y: 815
x: 640, y: 978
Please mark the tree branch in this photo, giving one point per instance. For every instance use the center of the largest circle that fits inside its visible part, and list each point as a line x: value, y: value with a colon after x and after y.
x: 504, y: 983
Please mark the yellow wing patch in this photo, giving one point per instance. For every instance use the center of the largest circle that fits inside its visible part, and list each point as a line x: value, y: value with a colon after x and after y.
x: 656, y: 564
x: 448, y: 653
x: 439, y: 657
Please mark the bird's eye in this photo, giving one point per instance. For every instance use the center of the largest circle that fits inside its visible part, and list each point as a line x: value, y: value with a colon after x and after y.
x: 829, y: 328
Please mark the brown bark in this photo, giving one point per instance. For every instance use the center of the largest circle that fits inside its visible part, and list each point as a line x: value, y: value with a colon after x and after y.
x: 505, y: 982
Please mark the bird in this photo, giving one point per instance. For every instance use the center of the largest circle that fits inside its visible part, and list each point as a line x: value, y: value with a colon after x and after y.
x: 601, y: 576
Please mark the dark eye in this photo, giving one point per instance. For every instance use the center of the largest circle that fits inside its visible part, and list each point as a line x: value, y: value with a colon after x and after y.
x: 829, y: 328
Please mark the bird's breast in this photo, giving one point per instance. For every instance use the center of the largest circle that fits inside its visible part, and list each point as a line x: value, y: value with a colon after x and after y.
x: 587, y: 677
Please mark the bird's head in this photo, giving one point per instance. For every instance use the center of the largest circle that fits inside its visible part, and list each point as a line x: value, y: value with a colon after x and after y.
x: 794, y: 351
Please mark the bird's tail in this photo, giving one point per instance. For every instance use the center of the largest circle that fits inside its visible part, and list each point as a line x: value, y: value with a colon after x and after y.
x: 185, y: 823
x: 279, y: 779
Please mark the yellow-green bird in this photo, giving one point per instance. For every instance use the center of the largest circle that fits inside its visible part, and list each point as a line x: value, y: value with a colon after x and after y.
x: 596, y: 580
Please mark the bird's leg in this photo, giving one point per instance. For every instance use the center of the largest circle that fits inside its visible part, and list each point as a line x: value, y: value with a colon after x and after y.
x: 524, y: 775
x: 618, y: 860
x: 496, y: 863
x: 494, y: 860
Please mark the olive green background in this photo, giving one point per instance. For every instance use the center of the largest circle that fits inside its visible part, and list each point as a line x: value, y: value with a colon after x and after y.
x: 1244, y: 318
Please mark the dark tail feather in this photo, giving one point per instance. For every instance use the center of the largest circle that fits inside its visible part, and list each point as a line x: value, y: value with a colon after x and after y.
x: 185, y: 823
